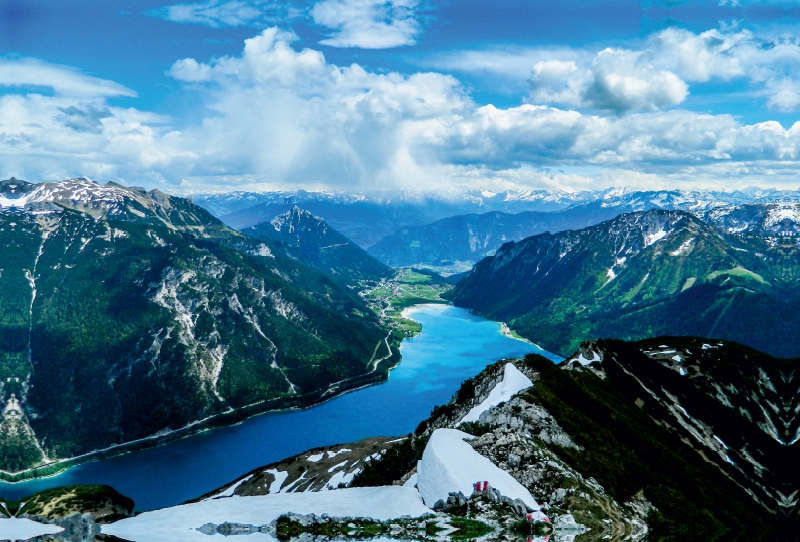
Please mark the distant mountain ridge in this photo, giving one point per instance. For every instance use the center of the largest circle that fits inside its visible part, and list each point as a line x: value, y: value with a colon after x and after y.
x: 465, y: 239
x: 126, y: 314
x: 407, y: 217
x: 316, y: 244
x: 367, y: 217
x: 643, y: 274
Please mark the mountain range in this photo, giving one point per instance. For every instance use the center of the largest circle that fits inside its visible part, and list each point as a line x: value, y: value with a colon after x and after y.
x: 127, y: 314
x: 367, y: 218
x: 650, y: 273
x: 458, y: 242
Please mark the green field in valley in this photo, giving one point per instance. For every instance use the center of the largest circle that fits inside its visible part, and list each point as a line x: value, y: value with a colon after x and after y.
x: 408, y: 287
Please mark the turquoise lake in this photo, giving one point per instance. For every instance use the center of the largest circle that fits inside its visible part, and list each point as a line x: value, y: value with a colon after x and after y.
x: 454, y: 345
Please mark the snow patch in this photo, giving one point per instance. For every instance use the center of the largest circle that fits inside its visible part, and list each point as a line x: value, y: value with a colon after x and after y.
x: 23, y: 529
x: 332, y: 454
x: 681, y: 249
x: 584, y: 361
x: 341, y: 477
x: 280, y: 477
x: 316, y: 457
x: 180, y: 523
x: 513, y: 382
x: 451, y: 464
x: 342, y: 464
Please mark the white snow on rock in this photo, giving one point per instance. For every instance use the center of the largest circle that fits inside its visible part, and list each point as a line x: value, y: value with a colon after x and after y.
x: 681, y: 249
x: 342, y: 451
x: 280, y: 477
x: 180, y: 523
x: 583, y: 360
x: 342, y: 464
x: 513, y: 382
x: 449, y: 464
x: 341, y: 477
x: 652, y: 238
x: 316, y: 457
x: 23, y: 529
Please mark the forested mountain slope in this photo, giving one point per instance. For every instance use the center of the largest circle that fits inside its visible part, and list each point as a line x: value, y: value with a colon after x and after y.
x: 125, y: 313
x: 646, y: 274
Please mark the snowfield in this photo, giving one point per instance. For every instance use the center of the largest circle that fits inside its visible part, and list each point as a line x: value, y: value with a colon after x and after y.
x: 513, y: 382
x: 180, y: 523
x: 449, y: 464
x: 23, y: 529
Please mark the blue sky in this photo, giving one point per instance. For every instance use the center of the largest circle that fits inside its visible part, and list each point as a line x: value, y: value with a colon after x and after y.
x: 216, y: 95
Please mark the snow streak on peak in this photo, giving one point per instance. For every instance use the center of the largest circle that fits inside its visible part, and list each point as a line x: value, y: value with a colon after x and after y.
x: 71, y: 192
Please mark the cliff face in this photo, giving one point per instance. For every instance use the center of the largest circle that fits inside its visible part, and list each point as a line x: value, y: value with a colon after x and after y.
x: 125, y: 313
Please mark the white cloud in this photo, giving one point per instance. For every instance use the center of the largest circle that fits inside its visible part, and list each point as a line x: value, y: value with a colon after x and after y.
x: 231, y: 13
x: 62, y: 80
x: 701, y: 57
x: 292, y: 117
x: 281, y: 116
x: 657, y: 75
x: 56, y: 122
x: 617, y: 80
x: 368, y: 24
x: 288, y: 116
x: 624, y: 81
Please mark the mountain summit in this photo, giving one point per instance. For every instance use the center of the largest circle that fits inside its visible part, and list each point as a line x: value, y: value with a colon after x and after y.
x: 316, y: 244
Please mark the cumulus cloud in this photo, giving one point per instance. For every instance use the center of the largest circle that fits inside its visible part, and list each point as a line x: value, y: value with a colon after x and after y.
x: 290, y: 116
x: 282, y: 116
x: 368, y: 24
x: 657, y: 75
x: 617, y: 80
x: 769, y: 62
x: 56, y: 122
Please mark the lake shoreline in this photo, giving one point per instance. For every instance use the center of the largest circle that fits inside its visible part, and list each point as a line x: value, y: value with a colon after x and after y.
x: 455, y: 345
x: 310, y: 400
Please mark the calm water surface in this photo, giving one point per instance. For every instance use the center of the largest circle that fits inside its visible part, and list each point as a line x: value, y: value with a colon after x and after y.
x: 453, y: 346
